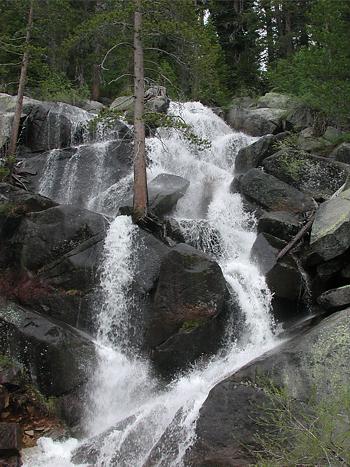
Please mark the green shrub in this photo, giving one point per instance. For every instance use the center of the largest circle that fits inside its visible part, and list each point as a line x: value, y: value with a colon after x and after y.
x: 57, y: 87
x: 294, y: 433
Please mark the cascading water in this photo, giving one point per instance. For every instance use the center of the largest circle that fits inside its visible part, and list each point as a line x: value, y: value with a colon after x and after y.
x: 79, y: 174
x: 212, y: 218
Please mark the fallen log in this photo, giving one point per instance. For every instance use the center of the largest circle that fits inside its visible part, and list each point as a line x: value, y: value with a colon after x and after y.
x: 297, y: 237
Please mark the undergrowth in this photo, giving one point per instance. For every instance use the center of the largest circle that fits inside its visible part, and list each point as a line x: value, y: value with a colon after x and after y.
x: 313, y: 433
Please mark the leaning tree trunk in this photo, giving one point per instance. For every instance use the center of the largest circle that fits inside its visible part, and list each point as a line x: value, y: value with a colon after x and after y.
x: 140, y: 177
x: 22, y: 82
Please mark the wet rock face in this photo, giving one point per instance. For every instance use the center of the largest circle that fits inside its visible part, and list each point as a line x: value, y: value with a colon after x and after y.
x: 56, y: 357
x: 88, y: 171
x: 229, y: 418
x: 315, y: 176
x: 274, y: 195
x: 54, y: 125
x: 44, y: 236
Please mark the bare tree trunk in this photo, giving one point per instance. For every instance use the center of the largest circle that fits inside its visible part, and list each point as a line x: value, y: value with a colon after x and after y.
x: 140, y: 176
x: 96, y: 81
x: 22, y: 82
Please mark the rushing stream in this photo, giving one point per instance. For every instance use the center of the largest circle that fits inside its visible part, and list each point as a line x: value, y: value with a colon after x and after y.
x: 123, y: 386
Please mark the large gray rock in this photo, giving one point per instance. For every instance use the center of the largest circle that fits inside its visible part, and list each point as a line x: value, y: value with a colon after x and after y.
x: 330, y: 233
x: 335, y: 299
x: 158, y: 104
x: 187, y: 322
x: 256, y: 122
x: 308, y: 141
x: 317, y: 176
x: 342, y: 153
x: 5, y: 128
x: 10, y: 444
x: 275, y: 100
x: 316, y: 360
x: 280, y: 224
x: 273, y: 194
x: 15, y: 203
x: 164, y: 191
x: 299, y: 117
x: 22, y: 200
x: 7, y: 109
x: 44, y: 236
x: 51, y: 125
x: 282, y: 276
x: 57, y: 357
x: 252, y: 156
x: 92, y: 106
x: 70, y: 286
x: 123, y: 103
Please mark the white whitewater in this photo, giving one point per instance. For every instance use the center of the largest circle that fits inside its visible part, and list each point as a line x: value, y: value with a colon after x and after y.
x: 124, y: 386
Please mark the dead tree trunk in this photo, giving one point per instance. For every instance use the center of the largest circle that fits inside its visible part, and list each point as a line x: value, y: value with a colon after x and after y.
x: 20, y: 93
x: 140, y: 176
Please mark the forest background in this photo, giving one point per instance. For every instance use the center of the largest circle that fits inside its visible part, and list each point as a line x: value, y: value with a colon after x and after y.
x: 207, y: 50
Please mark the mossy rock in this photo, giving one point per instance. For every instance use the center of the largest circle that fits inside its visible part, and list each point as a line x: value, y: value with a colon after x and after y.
x: 316, y: 176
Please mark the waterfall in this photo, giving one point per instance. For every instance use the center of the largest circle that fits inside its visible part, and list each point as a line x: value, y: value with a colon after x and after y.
x: 213, y: 219
x: 81, y: 173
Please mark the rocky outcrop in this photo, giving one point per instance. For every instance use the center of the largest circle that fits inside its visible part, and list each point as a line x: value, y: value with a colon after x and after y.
x: 315, y: 176
x: 330, y: 230
x: 44, y: 236
x: 308, y: 141
x: 256, y: 121
x: 342, y: 153
x: 15, y: 203
x: 335, y: 299
x: 52, y: 125
x: 164, y: 191
x: 50, y: 256
x: 10, y: 444
x: 88, y: 171
x: 187, y: 321
x: 56, y: 356
x: 153, y: 103
x: 230, y: 417
x: 252, y: 156
x: 280, y: 224
x: 282, y: 276
x: 273, y: 194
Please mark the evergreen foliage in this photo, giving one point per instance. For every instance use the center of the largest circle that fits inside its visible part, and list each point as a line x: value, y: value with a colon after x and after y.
x: 320, y: 72
x: 208, y: 50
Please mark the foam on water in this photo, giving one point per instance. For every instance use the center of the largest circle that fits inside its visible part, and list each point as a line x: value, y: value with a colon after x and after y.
x: 213, y: 219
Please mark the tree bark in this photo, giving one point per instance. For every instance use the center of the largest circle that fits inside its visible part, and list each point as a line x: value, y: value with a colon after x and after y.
x: 20, y: 93
x: 96, y: 81
x: 140, y: 176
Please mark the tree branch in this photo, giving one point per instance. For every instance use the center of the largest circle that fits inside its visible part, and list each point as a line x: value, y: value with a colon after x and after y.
x: 111, y: 50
